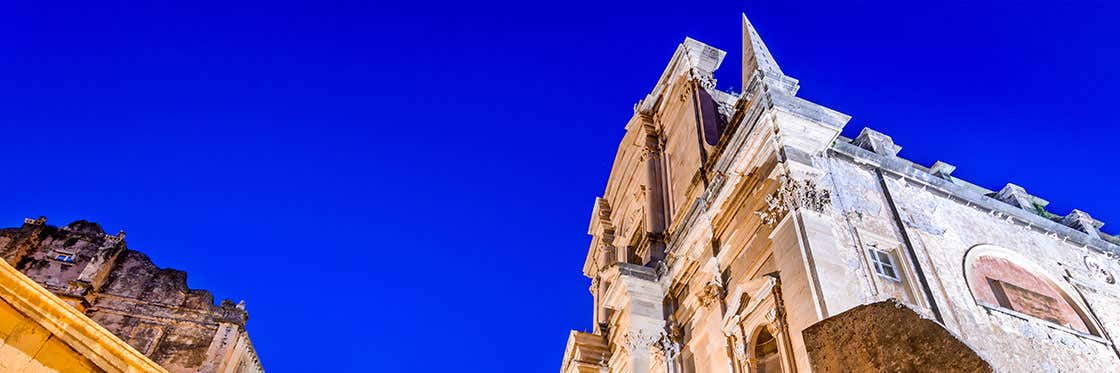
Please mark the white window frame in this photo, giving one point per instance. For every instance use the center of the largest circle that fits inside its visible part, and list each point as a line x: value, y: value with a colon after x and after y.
x: 878, y: 265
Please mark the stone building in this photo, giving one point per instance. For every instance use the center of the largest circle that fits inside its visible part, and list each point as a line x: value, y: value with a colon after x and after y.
x: 739, y: 232
x: 149, y: 308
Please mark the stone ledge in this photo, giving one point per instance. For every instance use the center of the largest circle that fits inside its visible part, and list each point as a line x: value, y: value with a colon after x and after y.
x: 905, y: 168
x: 72, y: 327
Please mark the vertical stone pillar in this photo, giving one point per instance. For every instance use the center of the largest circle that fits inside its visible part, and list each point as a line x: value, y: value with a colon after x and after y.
x: 655, y: 194
x: 221, y: 347
x: 794, y: 260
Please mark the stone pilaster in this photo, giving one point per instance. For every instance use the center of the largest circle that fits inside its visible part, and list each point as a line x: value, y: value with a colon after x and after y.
x: 637, y: 296
x: 222, y: 347
x: 655, y: 191
x: 799, y: 210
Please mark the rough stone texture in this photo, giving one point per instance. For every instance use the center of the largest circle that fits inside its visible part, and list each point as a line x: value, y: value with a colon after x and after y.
x: 39, y: 332
x: 150, y: 308
x: 887, y: 337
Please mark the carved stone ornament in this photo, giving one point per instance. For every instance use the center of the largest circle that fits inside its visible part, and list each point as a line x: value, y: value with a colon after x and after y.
x: 38, y: 221
x: 710, y: 293
x: 706, y: 80
x: 772, y: 316
x: 638, y: 340
x: 659, y: 357
x: 740, y: 349
x: 793, y: 195
x: 1099, y: 269
x: 667, y: 347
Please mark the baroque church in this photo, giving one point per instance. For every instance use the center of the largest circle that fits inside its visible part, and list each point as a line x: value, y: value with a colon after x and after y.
x: 740, y: 232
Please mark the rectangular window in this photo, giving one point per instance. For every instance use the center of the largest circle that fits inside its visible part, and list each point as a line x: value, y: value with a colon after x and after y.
x: 64, y: 257
x: 884, y: 265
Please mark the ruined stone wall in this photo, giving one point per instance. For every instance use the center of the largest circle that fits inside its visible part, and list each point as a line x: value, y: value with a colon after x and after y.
x: 150, y: 308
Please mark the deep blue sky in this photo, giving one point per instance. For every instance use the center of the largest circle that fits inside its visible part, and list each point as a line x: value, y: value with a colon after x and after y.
x: 407, y: 186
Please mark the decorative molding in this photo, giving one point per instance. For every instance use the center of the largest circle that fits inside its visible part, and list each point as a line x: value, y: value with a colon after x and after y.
x: 794, y: 195
x: 666, y: 350
x: 1099, y: 269
x: 740, y: 349
x: 710, y: 294
x: 705, y: 80
x: 668, y: 345
x: 639, y: 340
x: 714, y: 290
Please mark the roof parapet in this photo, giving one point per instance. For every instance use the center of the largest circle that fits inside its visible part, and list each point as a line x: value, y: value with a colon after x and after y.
x: 1081, y: 221
x: 1017, y: 196
x: 942, y: 169
x: 878, y: 142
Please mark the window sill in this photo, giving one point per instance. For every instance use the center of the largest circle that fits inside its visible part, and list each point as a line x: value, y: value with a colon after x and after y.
x: 1047, y: 323
x: 888, y: 278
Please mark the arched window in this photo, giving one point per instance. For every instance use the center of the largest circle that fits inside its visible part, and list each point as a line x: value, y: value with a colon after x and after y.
x: 1002, y: 279
x: 766, y: 352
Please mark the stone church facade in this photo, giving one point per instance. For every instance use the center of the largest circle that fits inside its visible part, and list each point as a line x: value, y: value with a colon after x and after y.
x: 739, y: 232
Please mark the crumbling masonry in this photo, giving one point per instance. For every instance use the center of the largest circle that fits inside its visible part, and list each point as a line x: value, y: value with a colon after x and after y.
x: 150, y: 308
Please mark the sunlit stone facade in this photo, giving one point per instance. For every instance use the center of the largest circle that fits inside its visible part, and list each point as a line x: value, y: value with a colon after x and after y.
x: 739, y: 232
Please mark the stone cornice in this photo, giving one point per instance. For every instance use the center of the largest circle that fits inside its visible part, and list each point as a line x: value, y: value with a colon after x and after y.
x: 905, y: 169
x: 71, y: 327
x: 625, y: 279
x: 690, y: 59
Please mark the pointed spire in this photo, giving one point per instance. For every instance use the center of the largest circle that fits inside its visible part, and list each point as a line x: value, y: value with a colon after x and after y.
x: 758, y: 60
